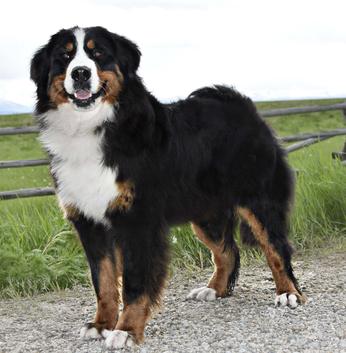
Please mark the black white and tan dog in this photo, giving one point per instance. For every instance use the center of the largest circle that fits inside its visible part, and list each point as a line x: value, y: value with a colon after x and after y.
x: 127, y: 167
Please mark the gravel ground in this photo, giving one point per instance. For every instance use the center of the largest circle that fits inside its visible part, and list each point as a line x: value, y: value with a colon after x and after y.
x: 247, y: 322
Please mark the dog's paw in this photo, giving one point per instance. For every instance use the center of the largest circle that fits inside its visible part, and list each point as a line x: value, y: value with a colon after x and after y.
x: 291, y: 300
x: 203, y: 294
x: 89, y: 332
x: 117, y: 339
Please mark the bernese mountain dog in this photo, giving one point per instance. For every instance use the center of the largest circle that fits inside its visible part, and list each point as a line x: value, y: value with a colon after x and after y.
x: 126, y: 168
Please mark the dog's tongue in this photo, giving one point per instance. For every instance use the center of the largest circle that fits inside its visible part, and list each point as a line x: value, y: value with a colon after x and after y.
x: 82, y: 94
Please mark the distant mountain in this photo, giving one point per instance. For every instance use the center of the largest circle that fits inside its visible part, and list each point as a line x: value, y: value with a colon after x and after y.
x: 7, y: 107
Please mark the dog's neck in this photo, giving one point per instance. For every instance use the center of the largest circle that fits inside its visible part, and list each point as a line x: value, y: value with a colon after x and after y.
x: 69, y: 121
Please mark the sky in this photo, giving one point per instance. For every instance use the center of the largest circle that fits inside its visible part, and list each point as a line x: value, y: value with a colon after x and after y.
x: 268, y: 49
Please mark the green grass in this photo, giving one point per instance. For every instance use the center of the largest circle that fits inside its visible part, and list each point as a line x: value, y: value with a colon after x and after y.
x: 39, y: 251
x: 319, y: 214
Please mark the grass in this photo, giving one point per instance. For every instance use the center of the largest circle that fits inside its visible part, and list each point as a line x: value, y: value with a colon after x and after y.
x: 39, y: 251
x: 320, y: 209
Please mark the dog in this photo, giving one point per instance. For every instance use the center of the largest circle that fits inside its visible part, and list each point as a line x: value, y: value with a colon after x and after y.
x: 126, y: 168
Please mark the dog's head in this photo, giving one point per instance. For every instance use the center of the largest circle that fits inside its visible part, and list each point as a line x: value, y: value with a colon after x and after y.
x: 83, y: 67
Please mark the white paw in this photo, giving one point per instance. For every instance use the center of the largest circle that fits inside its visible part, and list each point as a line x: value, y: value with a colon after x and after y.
x: 88, y: 332
x: 203, y: 293
x: 286, y: 299
x: 117, y: 339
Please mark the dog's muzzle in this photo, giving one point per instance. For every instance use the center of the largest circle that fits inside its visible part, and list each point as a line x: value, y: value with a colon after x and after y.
x: 82, y: 96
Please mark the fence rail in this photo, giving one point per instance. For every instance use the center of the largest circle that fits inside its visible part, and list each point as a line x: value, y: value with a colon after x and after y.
x: 19, y: 130
x: 22, y: 193
x: 23, y: 163
x: 318, y: 135
x: 305, y: 143
x: 299, y: 110
x: 302, y: 141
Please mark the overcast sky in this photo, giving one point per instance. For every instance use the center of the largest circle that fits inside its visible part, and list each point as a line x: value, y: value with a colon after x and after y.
x: 268, y: 49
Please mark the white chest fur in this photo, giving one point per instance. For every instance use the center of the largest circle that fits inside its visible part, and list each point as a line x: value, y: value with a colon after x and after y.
x: 82, y: 179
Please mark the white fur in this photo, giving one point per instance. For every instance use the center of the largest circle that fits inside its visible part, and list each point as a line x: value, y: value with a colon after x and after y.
x: 105, y: 333
x: 286, y: 299
x: 89, y: 333
x: 118, y: 339
x: 203, y: 293
x: 292, y: 301
x: 81, y: 59
x: 83, y: 180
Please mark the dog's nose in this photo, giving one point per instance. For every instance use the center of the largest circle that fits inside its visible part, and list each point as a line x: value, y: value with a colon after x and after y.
x: 81, y: 74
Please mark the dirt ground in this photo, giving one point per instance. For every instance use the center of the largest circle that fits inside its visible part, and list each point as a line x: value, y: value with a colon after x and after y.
x: 246, y: 322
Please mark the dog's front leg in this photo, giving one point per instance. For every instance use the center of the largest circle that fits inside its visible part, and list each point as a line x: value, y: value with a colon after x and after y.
x: 144, y: 252
x: 99, y: 246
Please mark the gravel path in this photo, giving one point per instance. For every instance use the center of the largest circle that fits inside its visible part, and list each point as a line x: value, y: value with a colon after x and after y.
x: 246, y: 322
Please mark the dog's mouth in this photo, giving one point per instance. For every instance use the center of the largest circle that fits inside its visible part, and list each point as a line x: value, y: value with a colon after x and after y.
x: 82, y: 95
x: 83, y: 98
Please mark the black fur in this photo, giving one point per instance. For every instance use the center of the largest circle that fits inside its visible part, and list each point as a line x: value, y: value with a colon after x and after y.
x: 190, y: 161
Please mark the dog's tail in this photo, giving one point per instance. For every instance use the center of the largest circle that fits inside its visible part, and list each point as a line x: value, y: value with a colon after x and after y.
x: 221, y: 93
x: 280, y: 193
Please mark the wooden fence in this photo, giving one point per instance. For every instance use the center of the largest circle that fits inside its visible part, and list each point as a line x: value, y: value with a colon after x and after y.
x: 301, y: 141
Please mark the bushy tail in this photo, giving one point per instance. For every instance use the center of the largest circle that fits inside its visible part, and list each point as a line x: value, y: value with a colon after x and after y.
x: 280, y: 192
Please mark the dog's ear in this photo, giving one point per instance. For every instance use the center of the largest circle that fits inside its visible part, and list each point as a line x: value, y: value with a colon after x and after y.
x: 39, y: 68
x: 127, y: 53
x: 40, y: 63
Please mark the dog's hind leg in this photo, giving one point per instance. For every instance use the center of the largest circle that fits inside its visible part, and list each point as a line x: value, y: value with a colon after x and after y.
x: 268, y: 225
x: 217, y: 235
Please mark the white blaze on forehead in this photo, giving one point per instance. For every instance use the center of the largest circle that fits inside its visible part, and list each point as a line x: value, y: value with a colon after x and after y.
x: 81, y: 59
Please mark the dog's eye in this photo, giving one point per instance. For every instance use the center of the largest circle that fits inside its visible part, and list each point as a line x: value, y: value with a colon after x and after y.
x: 66, y: 55
x: 97, y: 53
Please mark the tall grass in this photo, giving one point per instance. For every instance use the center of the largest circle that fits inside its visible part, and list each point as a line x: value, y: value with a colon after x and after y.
x: 320, y: 208
x: 38, y: 250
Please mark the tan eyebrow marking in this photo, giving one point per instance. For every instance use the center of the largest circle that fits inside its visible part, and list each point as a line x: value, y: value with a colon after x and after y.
x: 91, y: 44
x: 69, y: 46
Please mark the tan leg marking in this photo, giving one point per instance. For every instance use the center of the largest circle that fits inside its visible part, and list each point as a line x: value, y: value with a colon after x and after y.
x: 124, y: 200
x: 113, y: 84
x: 56, y: 90
x: 275, y: 262
x: 119, y: 272
x: 108, y: 297
x: 224, y: 262
x: 119, y: 263
x: 134, y: 318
